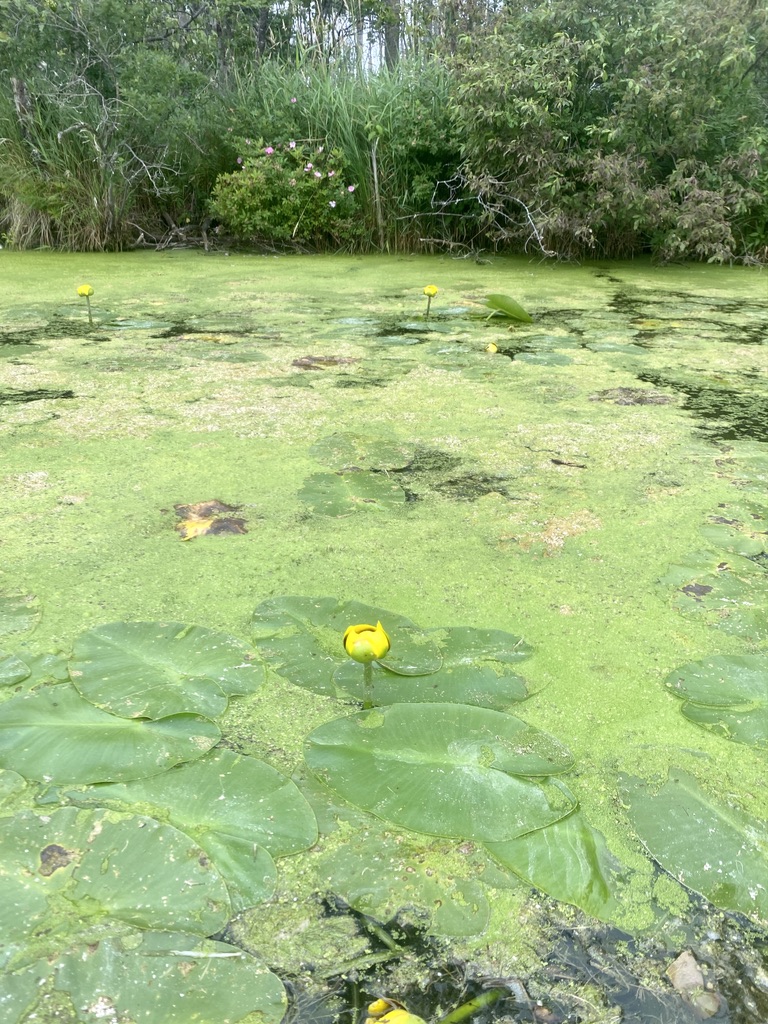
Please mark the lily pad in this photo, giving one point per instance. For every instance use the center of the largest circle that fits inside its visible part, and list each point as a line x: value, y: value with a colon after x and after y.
x: 569, y: 860
x: 710, y: 846
x: 728, y: 694
x: 127, y: 868
x: 345, y: 449
x: 477, y: 669
x: 727, y: 591
x: 380, y: 876
x: 507, y: 306
x: 19, y: 613
x: 11, y: 783
x: 175, y: 977
x: 156, y: 669
x: 342, y: 493
x: 55, y: 735
x: 444, y: 769
x: 12, y: 670
x: 239, y: 810
x: 301, y: 639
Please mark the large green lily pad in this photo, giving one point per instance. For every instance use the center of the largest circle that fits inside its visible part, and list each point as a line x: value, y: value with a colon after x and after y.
x: 728, y: 694
x: 727, y: 591
x: 241, y: 811
x: 444, y: 769
x: 131, y: 869
x: 710, y: 846
x: 568, y: 860
x: 156, y: 669
x: 478, y: 669
x: 18, y: 613
x: 342, y: 493
x: 382, y: 875
x: 173, y: 977
x: 301, y: 638
x: 345, y: 450
x: 740, y: 529
x: 55, y: 735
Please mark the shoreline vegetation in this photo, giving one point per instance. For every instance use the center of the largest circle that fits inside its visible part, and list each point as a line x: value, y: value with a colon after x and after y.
x: 565, y: 130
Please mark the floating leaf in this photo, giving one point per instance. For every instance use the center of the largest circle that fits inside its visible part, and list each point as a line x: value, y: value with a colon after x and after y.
x: 568, y: 860
x: 379, y: 876
x: 342, y: 493
x: 11, y: 783
x: 444, y: 769
x: 18, y: 613
x: 711, y: 847
x: 728, y: 694
x: 344, y: 450
x: 12, y: 670
x: 55, y: 735
x: 232, y: 806
x: 173, y: 977
x: 727, y: 591
x: 476, y: 670
x: 205, y: 517
x: 508, y: 307
x: 301, y: 639
x: 156, y: 669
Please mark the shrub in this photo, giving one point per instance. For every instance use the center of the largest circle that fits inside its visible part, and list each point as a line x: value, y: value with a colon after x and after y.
x: 289, y: 194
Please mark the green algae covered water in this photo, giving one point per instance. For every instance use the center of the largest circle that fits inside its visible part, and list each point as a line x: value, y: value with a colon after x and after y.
x: 593, y: 482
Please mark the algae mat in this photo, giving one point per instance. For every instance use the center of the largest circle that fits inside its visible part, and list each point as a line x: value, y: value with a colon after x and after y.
x: 561, y: 524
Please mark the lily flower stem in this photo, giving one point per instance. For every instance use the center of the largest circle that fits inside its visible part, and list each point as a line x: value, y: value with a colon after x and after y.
x: 88, y: 302
x: 368, y: 682
x: 429, y: 303
x: 467, y: 1010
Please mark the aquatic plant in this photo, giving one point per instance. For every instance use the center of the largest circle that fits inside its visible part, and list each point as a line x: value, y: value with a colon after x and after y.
x: 366, y: 644
x: 430, y: 291
x: 503, y: 305
x: 85, y: 292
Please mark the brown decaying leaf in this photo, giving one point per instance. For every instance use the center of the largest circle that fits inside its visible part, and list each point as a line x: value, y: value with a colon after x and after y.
x: 204, y: 517
x: 318, y: 362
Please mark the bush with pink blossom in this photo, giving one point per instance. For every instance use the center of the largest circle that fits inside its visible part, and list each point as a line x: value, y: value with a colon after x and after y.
x: 287, y: 193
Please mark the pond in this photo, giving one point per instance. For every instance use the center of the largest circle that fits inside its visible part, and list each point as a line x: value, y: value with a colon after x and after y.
x: 562, y: 526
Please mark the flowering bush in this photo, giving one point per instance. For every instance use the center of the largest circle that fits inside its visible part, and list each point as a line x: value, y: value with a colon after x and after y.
x: 288, y: 194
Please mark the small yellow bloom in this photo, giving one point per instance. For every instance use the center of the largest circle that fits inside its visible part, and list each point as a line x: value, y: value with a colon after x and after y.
x: 366, y: 643
x: 492, y: 348
x: 85, y: 291
x: 430, y: 291
x: 400, y: 1017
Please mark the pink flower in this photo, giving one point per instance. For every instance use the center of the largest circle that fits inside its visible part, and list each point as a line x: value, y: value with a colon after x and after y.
x: 318, y: 174
x: 332, y: 203
x: 351, y: 188
x: 269, y: 150
x: 331, y: 173
x: 291, y: 145
x: 239, y: 159
x: 308, y: 167
x: 293, y: 99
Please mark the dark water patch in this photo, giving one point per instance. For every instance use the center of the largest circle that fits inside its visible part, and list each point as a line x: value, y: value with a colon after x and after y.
x: 360, y: 382
x: 728, y: 414
x: 16, y: 397
x: 632, y: 396
x: 430, y: 461
x: 473, y: 486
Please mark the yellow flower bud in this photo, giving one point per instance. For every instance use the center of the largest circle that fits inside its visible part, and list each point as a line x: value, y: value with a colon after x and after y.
x: 366, y: 643
x: 492, y: 348
x: 431, y: 291
x: 84, y: 291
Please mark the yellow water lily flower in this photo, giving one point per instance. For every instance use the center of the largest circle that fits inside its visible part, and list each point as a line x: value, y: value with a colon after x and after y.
x: 430, y: 291
x: 84, y: 291
x: 492, y: 348
x: 365, y: 643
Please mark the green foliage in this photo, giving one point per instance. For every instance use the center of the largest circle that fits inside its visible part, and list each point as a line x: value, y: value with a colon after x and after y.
x: 288, y: 194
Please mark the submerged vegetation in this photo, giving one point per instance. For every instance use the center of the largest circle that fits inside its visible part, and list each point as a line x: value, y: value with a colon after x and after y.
x: 569, y: 128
